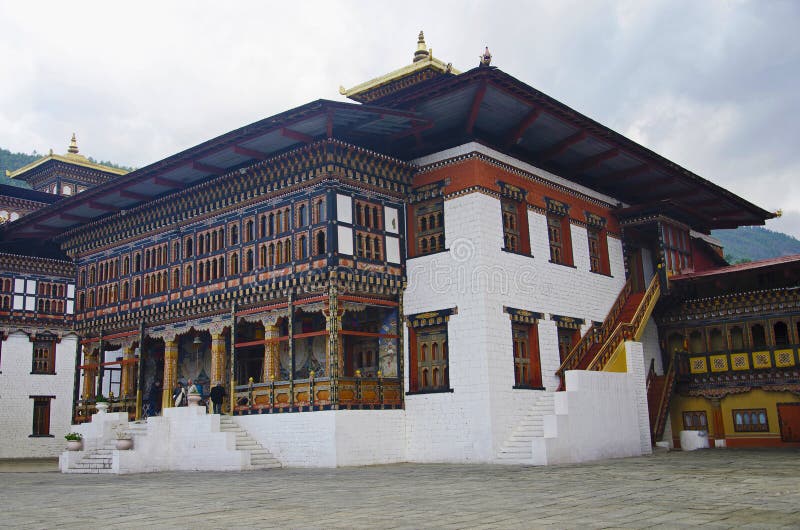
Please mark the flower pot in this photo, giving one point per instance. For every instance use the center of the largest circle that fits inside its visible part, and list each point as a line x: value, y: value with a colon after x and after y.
x: 124, y: 444
x: 74, y: 445
x: 194, y: 399
x: 102, y: 407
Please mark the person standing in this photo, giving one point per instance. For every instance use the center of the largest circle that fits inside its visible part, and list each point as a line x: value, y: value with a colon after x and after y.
x: 217, y: 394
x: 179, y: 395
x: 155, y: 399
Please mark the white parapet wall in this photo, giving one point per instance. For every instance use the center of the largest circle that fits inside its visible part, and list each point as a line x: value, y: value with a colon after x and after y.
x: 600, y: 415
x: 183, y: 439
x: 331, y: 438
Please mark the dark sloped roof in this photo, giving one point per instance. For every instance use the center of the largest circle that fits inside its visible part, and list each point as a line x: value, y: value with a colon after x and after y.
x: 18, y: 192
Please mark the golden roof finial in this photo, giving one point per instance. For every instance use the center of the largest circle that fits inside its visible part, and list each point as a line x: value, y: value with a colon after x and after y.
x: 422, y: 52
x: 779, y: 213
x: 486, y: 58
x: 73, y: 145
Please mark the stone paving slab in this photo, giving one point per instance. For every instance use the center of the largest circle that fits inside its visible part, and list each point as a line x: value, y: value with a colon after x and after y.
x: 714, y: 489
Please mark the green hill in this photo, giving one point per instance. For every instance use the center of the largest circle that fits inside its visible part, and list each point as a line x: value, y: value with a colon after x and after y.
x: 752, y: 243
x: 11, y: 161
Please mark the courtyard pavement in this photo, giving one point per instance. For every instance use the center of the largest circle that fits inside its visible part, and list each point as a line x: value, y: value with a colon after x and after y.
x: 716, y: 488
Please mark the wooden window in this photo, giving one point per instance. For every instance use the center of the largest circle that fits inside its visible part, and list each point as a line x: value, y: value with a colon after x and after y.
x: 567, y: 338
x: 598, y: 250
x: 558, y: 232
x: 187, y: 247
x: 429, y: 227
x: 717, y: 340
x: 696, y: 343
x: 750, y: 420
x: 511, y: 226
x: 302, y: 216
x: 41, y: 415
x: 302, y: 248
x: 737, y: 338
x: 431, y: 359
x: 527, y: 367
x: 695, y: 420
x: 44, y: 357
x: 234, y: 261
x: 319, y: 210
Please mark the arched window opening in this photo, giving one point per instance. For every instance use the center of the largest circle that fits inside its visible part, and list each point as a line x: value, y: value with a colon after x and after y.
x: 737, y: 338
x: 301, y: 252
x: 137, y: 263
x: 272, y: 224
x: 279, y: 249
x: 717, y: 340
x: 187, y: 278
x: 234, y: 264
x: 696, y: 342
x: 320, y: 242
x: 249, y: 264
x: 759, y: 336
x: 188, y: 253
x: 781, y: 331
x: 234, y: 235
x: 301, y: 215
x: 271, y: 255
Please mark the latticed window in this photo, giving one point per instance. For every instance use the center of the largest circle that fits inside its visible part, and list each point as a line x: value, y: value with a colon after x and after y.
x: 555, y: 234
x: 527, y: 369
x: 41, y: 416
x: 567, y: 338
x: 429, y: 219
x: 432, y: 358
x: 594, y: 250
x: 695, y: 420
x: 750, y: 420
x: 44, y: 352
x: 511, y: 226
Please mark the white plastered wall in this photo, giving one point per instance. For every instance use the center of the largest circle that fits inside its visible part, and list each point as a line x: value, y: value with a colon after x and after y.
x: 18, y: 384
x: 479, y: 278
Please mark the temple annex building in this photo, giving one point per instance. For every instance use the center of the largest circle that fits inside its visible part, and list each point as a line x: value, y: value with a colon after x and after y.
x: 452, y: 267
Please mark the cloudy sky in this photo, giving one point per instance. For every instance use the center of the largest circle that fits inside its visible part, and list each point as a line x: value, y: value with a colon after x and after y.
x: 712, y: 85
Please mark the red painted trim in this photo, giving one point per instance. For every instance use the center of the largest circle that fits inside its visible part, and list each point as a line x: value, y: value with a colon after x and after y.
x: 476, y: 106
x: 413, y: 376
x: 592, y: 161
x: 132, y: 195
x: 294, y: 135
x: 523, y: 126
x: 206, y: 168
x: 252, y: 153
x: 534, y: 356
x: 368, y: 334
x: 261, y: 309
x: 563, y: 145
x: 372, y: 301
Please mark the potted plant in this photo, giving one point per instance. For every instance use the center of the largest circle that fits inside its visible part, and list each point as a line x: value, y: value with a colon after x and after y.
x: 124, y: 440
x: 101, y: 403
x: 194, y: 396
x: 74, y: 441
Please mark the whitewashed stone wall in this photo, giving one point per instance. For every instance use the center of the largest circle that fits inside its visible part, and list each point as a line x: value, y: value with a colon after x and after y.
x: 478, y: 278
x: 17, y: 385
x: 331, y: 438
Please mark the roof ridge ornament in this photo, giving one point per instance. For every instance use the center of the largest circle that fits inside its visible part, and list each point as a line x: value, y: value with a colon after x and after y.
x: 422, y: 52
x: 73, y: 145
x: 485, y: 58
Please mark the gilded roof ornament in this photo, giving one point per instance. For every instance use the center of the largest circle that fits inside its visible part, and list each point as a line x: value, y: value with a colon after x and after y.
x: 486, y: 58
x: 73, y: 145
x: 422, y: 52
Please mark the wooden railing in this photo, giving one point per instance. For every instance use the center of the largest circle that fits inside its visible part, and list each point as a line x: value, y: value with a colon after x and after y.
x: 595, y: 334
x: 628, y: 330
x: 657, y: 428
x: 316, y: 394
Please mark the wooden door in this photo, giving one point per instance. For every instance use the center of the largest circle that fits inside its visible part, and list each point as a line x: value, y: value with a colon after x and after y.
x: 636, y: 271
x: 789, y: 421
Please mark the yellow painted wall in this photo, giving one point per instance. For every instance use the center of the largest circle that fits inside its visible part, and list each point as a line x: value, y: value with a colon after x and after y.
x: 617, y: 362
x: 755, y: 399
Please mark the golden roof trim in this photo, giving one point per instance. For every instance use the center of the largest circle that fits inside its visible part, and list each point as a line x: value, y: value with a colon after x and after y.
x: 70, y: 158
x: 430, y: 62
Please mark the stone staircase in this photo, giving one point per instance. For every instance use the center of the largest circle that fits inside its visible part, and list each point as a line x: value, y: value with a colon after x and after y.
x: 517, y: 449
x: 260, y: 458
x: 95, y: 461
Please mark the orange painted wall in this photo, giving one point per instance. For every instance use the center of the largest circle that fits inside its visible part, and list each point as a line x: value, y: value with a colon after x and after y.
x: 476, y: 172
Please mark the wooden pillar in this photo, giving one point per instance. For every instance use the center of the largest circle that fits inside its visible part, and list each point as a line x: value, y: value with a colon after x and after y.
x: 716, y: 418
x: 333, y: 322
x: 217, y: 357
x: 170, y: 370
x: 89, y: 374
x: 126, y: 375
x: 272, y: 360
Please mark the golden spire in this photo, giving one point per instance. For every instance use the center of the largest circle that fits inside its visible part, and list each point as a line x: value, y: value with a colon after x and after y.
x: 422, y: 52
x: 73, y: 145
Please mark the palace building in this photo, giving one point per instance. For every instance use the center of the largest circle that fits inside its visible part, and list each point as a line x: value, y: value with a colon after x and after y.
x: 454, y: 267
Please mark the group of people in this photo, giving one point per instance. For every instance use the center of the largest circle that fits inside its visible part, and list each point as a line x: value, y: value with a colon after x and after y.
x: 180, y: 395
